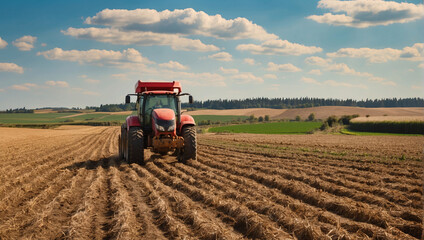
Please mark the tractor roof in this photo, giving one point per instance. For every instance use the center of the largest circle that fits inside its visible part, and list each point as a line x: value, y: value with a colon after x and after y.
x: 141, y: 87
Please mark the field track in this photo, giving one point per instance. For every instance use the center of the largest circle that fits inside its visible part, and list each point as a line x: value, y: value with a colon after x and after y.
x: 68, y: 183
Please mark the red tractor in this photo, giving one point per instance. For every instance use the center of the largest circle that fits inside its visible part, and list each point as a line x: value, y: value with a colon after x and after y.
x: 159, y: 124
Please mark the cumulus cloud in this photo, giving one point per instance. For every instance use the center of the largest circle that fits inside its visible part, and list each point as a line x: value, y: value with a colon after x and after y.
x: 129, y: 58
x: 270, y: 76
x: 180, y: 21
x: 197, y: 79
x: 344, y: 69
x: 120, y: 37
x: 310, y: 80
x: 229, y: 70
x: 247, y: 77
x: 11, y: 67
x: 344, y: 84
x: 3, y: 43
x: 278, y: 47
x: 57, y: 83
x: 341, y: 68
x: 249, y: 61
x: 282, y: 67
x: 367, y: 13
x: 173, y: 65
x: 315, y: 72
x: 414, y: 53
x: 25, y: 43
x: 24, y: 87
x: 221, y: 56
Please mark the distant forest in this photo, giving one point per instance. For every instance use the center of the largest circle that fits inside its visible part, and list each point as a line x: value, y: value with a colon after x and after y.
x: 281, y: 103
x: 277, y: 103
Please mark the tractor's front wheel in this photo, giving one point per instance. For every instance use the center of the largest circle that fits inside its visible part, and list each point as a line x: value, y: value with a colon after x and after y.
x: 190, y: 144
x: 135, y: 146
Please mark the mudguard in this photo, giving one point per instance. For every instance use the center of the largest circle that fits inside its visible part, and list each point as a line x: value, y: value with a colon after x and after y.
x: 133, y: 121
x: 186, y: 120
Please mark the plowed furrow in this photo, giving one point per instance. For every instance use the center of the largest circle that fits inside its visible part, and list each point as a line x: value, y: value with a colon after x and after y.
x: 47, y: 214
x: 328, y: 160
x: 296, y: 160
x: 87, y: 222
x: 326, y: 221
x: 35, y: 165
x: 337, y: 187
x: 284, y: 217
x: 299, y: 190
x: 41, y: 179
x: 244, y: 220
x: 202, y: 222
x: 160, y: 210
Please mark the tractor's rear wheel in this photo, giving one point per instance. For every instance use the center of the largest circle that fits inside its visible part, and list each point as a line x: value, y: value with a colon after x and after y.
x: 190, y: 144
x: 135, y: 146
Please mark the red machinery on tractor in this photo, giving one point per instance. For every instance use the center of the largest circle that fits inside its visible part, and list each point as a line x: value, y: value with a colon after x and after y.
x: 159, y: 124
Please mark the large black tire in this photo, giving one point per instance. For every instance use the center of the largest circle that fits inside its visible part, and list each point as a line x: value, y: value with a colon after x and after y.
x: 190, y: 144
x: 135, y: 146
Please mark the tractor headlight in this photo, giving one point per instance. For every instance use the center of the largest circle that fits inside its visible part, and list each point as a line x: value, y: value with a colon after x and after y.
x: 160, y: 128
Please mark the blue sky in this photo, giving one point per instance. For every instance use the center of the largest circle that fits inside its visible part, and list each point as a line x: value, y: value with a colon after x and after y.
x: 87, y: 53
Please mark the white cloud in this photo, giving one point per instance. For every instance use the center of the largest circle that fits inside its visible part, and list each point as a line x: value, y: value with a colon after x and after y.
x: 270, y: 76
x: 11, y: 67
x: 344, y: 69
x: 120, y: 75
x: 416, y: 87
x: 278, y: 47
x: 24, y: 87
x: 421, y: 65
x: 173, y: 65
x: 91, y: 81
x: 366, y: 13
x: 25, y: 43
x: 221, y: 56
x: 229, y: 70
x: 247, y: 77
x: 3, y: 43
x: 1, y: 90
x: 318, y: 61
x: 283, y: 67
x: 332, y: 83
x: 315, y: 72
x: 310, y: 80
x: 57, y: 83
x: 195, y: 79
x: 249, y: 61
x: 129, y: 58
x: 341, y: 68
x: 44, y: 44
x: 117, y: 36
x: 181, y: 22
x: 343, y: 84
x: 414, y: 53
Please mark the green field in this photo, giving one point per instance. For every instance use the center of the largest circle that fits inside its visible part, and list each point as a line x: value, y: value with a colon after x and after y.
x: 358, y: 133
x: 270, y: 128
x: 57, y: 118
x: 218, y: 118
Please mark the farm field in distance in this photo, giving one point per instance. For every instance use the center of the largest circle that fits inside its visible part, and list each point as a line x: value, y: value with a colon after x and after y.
x: 270, y: 128
x: 68, y: 183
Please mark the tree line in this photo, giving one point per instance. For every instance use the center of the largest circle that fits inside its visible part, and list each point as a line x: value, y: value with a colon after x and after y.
x: 283, y: 103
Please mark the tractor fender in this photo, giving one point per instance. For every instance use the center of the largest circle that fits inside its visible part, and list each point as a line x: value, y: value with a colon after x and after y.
x: 186, y: 120
x: 132, y: 121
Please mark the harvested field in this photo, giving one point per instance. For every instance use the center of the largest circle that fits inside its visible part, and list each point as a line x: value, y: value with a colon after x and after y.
x: 320, y: 112
x: 68, y: 183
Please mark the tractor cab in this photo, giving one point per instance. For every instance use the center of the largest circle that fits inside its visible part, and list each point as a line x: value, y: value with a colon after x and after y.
x: 158, y: 124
